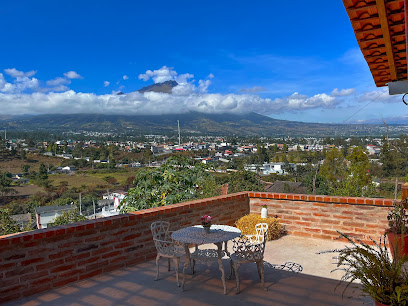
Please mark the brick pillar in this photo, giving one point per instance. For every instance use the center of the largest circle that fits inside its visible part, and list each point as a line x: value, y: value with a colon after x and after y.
x: 404, y: 191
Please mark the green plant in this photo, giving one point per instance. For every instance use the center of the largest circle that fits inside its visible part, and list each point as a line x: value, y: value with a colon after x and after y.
x: 382, y: 277
x: 397, y: 219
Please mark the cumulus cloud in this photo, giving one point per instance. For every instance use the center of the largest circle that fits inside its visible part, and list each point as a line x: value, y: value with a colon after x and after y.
x: 58, y: 81
x: 72, y: 75
x: 343, y: 92
x: 253, y: 89
x: 379, y: 96
x: 125, y: 77
x: 106, y: 83
x: 189, y: 95
x: 160, y: 75
x: 13, y: 72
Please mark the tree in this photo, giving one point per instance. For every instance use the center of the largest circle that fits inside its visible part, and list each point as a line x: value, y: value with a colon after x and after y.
x: 334, y: 168
x: 68, y: 217
x: 42, y: 172
x: 179, y: 179
x: 244, y: 180
x: 25, y: 169
x: 7, y: 225
x: 5, y: 184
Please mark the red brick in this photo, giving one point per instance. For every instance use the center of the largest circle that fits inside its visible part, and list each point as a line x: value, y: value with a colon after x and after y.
x: 49, y: 264
x: 369, y: 201
x: 90, y: 274
x: 351, y: 200
x: 32, y: 260
x: 64, y: 282
x: 62, y: 268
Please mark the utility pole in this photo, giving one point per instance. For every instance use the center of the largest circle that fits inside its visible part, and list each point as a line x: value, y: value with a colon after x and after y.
x: 178, y: 128
x: 80, y: 204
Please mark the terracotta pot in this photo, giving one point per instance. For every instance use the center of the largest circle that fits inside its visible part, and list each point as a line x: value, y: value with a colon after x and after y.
x: 400, y: 240
x: 380, y: 304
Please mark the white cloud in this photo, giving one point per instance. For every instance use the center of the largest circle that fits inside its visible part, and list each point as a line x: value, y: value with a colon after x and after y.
x: 160, y: 75
x: 253, y: 89
x: 187, y: 96
x: 106, y: 83
x: 125, y: 77
x: 5, y: 86
x: 58, y: 81
x: 379, y: 96
x: 72, y: 75
x: 13, y: 72
x: 343, y: 92
x: 210, y: 76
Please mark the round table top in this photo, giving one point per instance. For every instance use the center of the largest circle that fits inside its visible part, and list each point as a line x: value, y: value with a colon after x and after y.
x: 196, y: 234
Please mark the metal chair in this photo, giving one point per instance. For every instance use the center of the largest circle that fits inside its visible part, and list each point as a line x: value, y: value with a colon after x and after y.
x: 245, y: 250
x: 166, y: 246
x: 260, y: 228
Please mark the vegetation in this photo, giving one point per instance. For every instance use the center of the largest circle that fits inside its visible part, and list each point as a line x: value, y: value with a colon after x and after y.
x: 247, y: 226
x: 382, y: 277
x: 68, y: 217
x: 243, y: 180
x: 7, y: 225
x: 179, y: 179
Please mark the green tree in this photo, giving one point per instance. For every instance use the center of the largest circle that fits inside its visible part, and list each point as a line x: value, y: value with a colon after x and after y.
x: 7, y: 225
x: 5, y: 184
x: 243, y: 180
x: 25, y: 169
x: 179, y: 179
x: 334, y: 167
x: 68, y: 217
x: 42, y: 172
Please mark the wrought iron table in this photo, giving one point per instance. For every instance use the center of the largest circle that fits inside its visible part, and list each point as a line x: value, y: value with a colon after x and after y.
x: 218, y: 235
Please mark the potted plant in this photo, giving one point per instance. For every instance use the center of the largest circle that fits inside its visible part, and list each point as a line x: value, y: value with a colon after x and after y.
x: 206, y: 223
x: 382, y: 277
x: 397, y: 231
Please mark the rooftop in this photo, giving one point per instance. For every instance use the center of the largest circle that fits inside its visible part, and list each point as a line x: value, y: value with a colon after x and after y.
x: 135, y: 285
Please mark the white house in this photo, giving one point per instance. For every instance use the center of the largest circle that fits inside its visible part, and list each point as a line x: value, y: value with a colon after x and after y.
x: 47, y: 214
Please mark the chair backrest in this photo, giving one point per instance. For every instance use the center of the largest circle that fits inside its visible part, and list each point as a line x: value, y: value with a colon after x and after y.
x: 261, y: 229
x: 160, y: 230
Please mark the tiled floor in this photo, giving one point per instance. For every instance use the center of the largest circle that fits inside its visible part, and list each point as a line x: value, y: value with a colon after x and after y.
x: 135, y: 285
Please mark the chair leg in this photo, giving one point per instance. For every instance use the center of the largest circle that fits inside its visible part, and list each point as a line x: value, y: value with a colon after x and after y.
x: 177, y: 262
x: 193, y: 266
x: 157, y: 266
x: 221, y: 267
x: 168, y: 263
x: 259, y: 268
x: 236, y: 268
x: 231, y: 270
x: 263, y: 276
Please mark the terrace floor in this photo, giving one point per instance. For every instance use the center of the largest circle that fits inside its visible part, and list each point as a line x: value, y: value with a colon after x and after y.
x: 134, y: 285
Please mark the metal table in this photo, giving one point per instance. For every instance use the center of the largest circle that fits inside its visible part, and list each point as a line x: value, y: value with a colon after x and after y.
x: 218, y: 235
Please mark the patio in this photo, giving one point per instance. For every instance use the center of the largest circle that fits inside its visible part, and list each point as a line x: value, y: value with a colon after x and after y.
x: 134, y: 285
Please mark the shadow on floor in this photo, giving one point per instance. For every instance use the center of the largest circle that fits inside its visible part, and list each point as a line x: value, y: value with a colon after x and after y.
x: 135, y: 286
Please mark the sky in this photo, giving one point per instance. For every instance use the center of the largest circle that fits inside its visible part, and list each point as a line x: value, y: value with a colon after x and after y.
x: 294, y: 60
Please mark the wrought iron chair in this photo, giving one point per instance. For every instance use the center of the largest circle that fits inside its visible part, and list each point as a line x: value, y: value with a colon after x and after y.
x: 260, y: 228
x: 249, y: 248
x: 166, y: 246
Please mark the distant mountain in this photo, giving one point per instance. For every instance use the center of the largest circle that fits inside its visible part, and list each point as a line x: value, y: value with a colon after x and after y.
x: 192, y: 123
x: 165, y: 87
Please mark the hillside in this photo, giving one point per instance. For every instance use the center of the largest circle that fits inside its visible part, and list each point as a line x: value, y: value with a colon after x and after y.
x: 192, y: 123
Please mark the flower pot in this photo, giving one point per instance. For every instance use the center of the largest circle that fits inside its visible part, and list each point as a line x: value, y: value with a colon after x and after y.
x: 380, y: 304
x: 400, y: 240
x: 264, y: 212
x: 207, y: 229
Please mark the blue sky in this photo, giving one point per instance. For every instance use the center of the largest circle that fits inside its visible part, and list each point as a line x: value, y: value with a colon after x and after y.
x: 294, y: 60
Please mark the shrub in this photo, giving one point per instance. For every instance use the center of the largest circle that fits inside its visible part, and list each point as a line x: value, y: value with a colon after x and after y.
x: 247, y: 226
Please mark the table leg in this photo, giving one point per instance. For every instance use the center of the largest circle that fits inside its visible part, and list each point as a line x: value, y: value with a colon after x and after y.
x: 221, y: 266
x: 186, y: 264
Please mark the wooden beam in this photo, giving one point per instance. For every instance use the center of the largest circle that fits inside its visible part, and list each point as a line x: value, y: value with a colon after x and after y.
x: 382, y: 13
x: 406, y: 28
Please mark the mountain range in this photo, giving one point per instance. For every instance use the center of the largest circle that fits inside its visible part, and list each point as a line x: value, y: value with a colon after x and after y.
x: 191, y: 123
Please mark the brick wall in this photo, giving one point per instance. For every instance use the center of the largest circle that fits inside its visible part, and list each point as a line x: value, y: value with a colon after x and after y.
x: 39, y: 260
x: 321, y: 216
